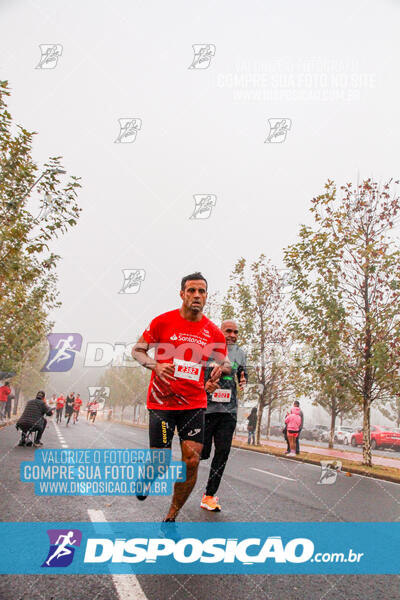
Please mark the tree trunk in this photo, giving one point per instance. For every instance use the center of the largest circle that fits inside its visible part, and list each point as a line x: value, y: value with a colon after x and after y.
x: 259, y: 417
x: 367, y: 458
x: 333, y: 422
x: 269, y: 419
x: 17, y: 391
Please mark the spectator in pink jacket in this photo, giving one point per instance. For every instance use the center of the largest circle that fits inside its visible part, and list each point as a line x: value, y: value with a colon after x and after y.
x: 293, y: 422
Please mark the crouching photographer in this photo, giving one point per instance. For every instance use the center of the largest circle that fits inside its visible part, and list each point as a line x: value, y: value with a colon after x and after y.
x: 32, y: 420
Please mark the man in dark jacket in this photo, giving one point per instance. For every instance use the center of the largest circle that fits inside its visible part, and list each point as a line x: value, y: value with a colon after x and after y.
x: 32, y: 419
x: 221, y: 414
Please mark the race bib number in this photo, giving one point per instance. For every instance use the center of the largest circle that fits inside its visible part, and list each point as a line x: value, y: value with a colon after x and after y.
x: 222, y: 395
x: 185, y: 369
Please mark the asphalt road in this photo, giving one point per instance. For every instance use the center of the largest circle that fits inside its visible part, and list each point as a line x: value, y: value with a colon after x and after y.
x: 255, y: 487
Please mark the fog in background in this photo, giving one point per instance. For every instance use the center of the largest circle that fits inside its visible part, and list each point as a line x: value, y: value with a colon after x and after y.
x: 329, y: 67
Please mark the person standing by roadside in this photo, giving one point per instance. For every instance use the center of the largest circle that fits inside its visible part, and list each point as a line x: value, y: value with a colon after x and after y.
x: 251, y: 426
x: 10, y: 398
x: 5, y: 391
x: 297, y: 404
x: 293, y: 422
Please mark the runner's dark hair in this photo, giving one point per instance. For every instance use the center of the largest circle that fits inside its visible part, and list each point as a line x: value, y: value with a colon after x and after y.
x: 192, y: 277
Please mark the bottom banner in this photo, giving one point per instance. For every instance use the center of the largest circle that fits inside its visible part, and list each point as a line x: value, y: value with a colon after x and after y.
x: 195, y: 548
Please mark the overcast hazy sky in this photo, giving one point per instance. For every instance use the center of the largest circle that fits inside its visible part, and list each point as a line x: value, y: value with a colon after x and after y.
x: 330, y: 67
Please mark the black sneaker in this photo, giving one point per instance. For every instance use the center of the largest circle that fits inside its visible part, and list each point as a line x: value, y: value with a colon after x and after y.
x: 29, y: 443
x: 141, y: 498
x: 21, y: 443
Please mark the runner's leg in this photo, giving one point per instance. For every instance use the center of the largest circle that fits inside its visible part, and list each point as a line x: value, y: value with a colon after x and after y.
x: 191, y: 433
x: 223, y: 435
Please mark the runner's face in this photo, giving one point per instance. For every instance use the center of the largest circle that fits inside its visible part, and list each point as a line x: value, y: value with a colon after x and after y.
x: 230, y: 331
x: 194, y: 295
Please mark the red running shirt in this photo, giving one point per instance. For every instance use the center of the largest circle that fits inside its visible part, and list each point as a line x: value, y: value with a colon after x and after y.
x: 77, y: 403
x: 60, y: 402
x: 188, y: 345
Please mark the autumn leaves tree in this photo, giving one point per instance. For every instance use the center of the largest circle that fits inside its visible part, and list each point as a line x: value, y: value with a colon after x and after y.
x: 27, y: 265
x: 345, y: 272
x: 256, y: 302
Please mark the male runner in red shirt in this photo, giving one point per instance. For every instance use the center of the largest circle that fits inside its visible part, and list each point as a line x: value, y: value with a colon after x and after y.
x: 60, y: 402
x: 77, y: 408
x: 184, y: 339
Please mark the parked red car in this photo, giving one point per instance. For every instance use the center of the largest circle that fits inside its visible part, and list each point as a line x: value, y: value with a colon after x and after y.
x: 381, y: 437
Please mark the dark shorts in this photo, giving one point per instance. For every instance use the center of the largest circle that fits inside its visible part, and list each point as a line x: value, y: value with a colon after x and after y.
x: 190, y: 425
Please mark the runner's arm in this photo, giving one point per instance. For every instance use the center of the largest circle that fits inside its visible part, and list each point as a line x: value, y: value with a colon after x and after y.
x: 164, y: 371
x: 139, y: 353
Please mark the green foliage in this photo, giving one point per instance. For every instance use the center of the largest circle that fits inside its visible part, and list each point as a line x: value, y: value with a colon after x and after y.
x: 27, y: 264
x: 345, y: 271
x: 256, y: 301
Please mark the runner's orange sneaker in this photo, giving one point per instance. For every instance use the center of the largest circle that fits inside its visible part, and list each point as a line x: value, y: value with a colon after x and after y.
x: 210, y: 503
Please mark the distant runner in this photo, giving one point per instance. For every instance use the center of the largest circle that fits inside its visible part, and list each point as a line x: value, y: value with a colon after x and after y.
x: 94, y: 407
x: 77, y: 408
x: 88, y: 405
x: 60, y: 403
x: 69, y: 407
x: 184, y: 339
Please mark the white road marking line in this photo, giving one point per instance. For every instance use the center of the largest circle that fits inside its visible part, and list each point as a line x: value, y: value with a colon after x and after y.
x: 60, y: 436
x: 127, y: 586
x: 273, y: 474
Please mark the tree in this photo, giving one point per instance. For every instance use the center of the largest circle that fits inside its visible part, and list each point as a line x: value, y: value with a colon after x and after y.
x: 256, y: 302
x: 30, y: 379
x: 27, y: 265
x: 345, y: 272
x: 128, y: 386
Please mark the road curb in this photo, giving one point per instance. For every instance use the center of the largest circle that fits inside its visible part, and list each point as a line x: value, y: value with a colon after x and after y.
x: 355, y: 470
x: 312, y: 461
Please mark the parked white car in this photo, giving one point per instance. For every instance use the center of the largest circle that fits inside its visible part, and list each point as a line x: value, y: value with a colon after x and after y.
x: 344, y: 434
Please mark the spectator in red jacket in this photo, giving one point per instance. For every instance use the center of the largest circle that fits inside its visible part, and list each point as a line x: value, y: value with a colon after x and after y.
x: 293, y: 422
x: 5, y: 391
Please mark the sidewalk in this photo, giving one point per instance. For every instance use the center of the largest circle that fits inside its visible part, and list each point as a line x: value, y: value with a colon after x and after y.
x: 334, y: 452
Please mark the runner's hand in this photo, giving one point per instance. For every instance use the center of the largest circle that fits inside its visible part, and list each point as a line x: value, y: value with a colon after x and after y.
x: 211, y: 385
x: 165, y: 371
x: 216, y: 373
x: 242, y: 382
